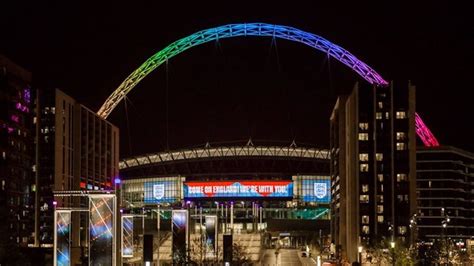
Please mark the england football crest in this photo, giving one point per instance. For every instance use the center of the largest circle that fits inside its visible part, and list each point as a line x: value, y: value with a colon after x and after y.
x: 320, y: 190
x: 158, y: 191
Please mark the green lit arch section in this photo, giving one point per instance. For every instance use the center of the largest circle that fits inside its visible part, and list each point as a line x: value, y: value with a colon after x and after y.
x: 253, y: 29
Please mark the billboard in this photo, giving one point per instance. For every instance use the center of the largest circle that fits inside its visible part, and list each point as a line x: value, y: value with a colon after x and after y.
x: 161, y: 191
x: 62, y: 231
x: 127, y: 236
x: 316, y: 190
x: 211, y: 235
x: 239, y: 189
x: 179, y: 227
x: 101, y: 230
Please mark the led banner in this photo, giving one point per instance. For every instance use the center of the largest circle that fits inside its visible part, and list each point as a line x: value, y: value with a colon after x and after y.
x: 316, y: 190
x: 239, y: 189
x: 127, y: 236
x: 161, y: 191
x: 63, y: 228
x: 179, y: 227
x: 101, y: 231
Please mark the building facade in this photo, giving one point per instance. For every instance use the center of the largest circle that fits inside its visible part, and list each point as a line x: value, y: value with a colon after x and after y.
x: 76, y: 150
x: 445, y: 187
x: 372, y: 134
x: 16, y: 157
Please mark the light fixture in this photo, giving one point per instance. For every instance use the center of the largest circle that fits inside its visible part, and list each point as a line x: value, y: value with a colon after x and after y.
x: 392, y: 244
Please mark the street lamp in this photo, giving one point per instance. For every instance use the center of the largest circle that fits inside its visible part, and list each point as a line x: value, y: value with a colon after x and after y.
x: 360, y: 254
x: 444, y: 224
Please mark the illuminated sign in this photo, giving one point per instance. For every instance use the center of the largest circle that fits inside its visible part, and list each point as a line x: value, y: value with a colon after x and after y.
x: 62, y: 238
x: 161, y: 191
x: 127, y: 236
x: 239, y: 189
x: 316, y: 190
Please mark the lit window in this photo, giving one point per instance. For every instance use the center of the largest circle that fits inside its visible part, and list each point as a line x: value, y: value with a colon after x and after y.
x: 53, y: 110
x: 401, y: 115
x: 381, y: 187
x: 402, y: 230
x: 4, y: 155
x: 401, y: 146
x: 379, y: 208
x: 378, y: 115
x: 380, y: 198
x: 365, y: 219
x: 364, y: 198
x: 387, y: 115
x: 380, y: 104
x: 364, y: 167
x: 401, y: 135
x: 365, y: 229
x: 365, y: 188
x: 402, y: 177
x: 380, y: 177
x: 363, y: 136
x: 380, y: 218
x: 363, y: 157
x: 379, y: 156
x: 33, y: 188
x: 363, y: 126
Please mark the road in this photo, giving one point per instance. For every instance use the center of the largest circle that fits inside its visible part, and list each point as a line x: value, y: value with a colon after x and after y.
x: 286, y: 257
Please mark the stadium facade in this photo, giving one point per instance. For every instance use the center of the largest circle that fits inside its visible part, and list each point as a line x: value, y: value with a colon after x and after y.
x: 252, y: 189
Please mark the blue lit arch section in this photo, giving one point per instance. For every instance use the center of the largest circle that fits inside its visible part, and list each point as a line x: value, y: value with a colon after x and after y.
x: 250, y: 29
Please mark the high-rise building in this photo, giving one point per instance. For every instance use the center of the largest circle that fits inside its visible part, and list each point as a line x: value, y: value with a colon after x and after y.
x: 445, y: 188
x: 76, y: 150
x: 373, y: 167
x: 16, y: 155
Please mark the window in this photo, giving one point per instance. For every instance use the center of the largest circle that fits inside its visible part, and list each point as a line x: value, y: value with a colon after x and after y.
x: 364, y: 167
x: 363, y: 136
x: 363, y: 126
x: 402, y: 198
x: 365, y: 219
x: 381, y: 187
x: 365, y: 188
x: 380, y: 177
x: 380, y: 198
x: 402, y: 177
x: 402, y: 230
x: 4, y: 155
x: 379, y: 156
x: 378, y: 115
x: 379, y: 208
x: 401, y: 115
x: 387, y: 115
x: 401, y: 135
x: 380, y: 104
x: 364, y: 198
x: 365, y: 229
x: 363, y: 157
x: 380, y: 218
x: 401, y: 146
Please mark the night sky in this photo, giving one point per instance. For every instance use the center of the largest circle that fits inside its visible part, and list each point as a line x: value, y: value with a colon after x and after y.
x: 233, y: 89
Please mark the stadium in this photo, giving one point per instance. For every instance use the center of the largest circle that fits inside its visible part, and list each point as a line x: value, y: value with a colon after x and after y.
x: 267, y: 195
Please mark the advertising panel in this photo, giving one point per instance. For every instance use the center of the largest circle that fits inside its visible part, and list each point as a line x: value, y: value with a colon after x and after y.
x: 101, y: 231
x: 316, y: 190
x: 211, y: 234
x: 127, y: 236
x: 179, y: 227
x: 161, y: 191
x: 63, y: 229
x: 239, y: 189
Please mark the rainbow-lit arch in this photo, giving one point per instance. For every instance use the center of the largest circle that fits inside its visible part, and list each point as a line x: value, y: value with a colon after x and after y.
x: 253, y: 29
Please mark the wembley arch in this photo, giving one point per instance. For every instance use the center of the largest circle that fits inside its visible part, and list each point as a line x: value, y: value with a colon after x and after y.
x: 260, y: 30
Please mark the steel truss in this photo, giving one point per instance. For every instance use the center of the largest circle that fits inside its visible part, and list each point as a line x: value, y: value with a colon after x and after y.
x: 252, y: 29
x: 234, y: 151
